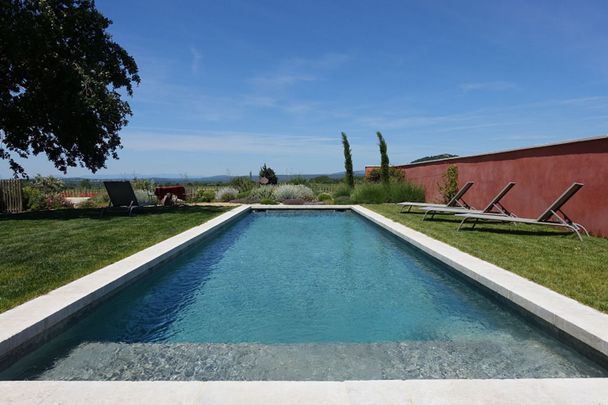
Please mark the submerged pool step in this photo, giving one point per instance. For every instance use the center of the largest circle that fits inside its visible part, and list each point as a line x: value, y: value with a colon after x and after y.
x: 330, y: 361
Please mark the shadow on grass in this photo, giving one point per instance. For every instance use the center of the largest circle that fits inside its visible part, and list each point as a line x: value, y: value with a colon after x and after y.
x: 95, y: 213
x: 511, y: 231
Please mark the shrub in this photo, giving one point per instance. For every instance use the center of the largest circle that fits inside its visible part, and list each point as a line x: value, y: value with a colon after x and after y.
x: 395, y: 175
x: 88, y: 203
x: 370, y: 193
x: 342, y: 191
x: 99, y: 200
x: 244, y: 195
x: 144, y: 196
x: 405, y: 191
x: 261, y: 193
x: 324, y: 197
x: 449, y: 188
x: 375, y: 193
x: 293, y: 192
x: 294, y: 201
x: 203, y: 195
x: 44, y: 193
x: 343, y: 200
x: 242, y: 183
x: 36, y: 200
x: 226, y: 194
x: 267, y: 201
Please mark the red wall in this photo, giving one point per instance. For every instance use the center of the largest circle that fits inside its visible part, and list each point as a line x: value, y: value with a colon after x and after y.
x: 541, y: 174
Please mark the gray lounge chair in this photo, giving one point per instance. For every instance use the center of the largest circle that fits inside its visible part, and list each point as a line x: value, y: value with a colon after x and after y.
x: 553, y: 211
x: 494, y: 207
x: 456, y: 201
x: 121, y: 195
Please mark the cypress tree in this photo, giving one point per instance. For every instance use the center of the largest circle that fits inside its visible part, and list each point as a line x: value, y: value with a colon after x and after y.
x: 384, y: 162
x: 349, y: 177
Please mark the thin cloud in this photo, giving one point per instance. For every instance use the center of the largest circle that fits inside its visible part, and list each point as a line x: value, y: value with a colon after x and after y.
x: 281, y: 80
x: 197, y: 57
x: 231, y: 142
x: 292, y: 71
x: 487, y: 86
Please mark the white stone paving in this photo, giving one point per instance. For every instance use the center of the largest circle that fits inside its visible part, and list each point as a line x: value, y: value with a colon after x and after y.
x: 498, y: 392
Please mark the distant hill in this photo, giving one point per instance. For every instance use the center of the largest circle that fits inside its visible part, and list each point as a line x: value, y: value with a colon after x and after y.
x: 173, y: 178
x: 434, y: 157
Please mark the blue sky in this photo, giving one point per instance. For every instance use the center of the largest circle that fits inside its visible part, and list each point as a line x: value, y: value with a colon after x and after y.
x: 228, y: 85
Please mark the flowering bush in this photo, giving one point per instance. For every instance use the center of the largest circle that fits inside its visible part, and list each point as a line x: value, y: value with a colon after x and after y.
x: 44, y: 193
x: 226, y: 194
x: 293, y: 192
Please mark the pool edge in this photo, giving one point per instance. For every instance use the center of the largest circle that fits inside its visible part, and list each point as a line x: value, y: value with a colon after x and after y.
x: 33, y: 319
x: 508, y: 391
x: 577, y: 320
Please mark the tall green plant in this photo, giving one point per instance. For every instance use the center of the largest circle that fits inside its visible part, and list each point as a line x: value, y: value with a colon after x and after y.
x: 449, y: 187
x: 269, y: 174
x: 349, y: 177
x: 385, y: 174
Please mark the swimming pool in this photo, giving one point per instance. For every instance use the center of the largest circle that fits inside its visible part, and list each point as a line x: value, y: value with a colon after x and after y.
x: 301, y: 296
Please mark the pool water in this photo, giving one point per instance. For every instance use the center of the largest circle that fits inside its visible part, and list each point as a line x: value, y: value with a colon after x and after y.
x: 301, y: 295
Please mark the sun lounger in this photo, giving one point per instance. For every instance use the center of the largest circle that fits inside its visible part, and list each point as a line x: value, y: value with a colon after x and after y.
x: 553, y: 215
x: 494, y: 207
x: 456, y: 201
x: 121, y: 195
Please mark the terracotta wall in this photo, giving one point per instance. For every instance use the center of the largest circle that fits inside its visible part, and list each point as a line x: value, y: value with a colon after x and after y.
x: 541, y: 174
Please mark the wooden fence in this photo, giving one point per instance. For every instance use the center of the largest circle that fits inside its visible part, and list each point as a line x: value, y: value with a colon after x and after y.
x: 11, y: 196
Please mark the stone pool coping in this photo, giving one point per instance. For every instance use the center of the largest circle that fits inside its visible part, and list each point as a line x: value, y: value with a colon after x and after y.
x: 579, y: 321
x: 30, y: 320
x: 520, y: 391
x: 25, y: 323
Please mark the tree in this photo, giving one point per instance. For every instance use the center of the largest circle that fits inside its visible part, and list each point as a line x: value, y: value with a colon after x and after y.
x: 434, y: 157
x: 348, y: 162
x: 449, y: 187
x: 62, y: 79
x: 85, y: 183
x: 385, y: 174
x: 269, y: 174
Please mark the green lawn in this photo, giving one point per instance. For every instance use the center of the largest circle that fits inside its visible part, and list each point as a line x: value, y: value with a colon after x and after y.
x: 553, y: 258
x: 41, y: 251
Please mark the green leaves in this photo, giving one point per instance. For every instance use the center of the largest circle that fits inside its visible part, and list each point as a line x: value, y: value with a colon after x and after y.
x: 61, y: 76
x: 348, y: 162
x: 384, y: 162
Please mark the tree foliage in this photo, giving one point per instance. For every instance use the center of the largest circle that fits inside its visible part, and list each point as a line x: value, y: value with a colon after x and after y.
x: 348, y: 162
x: 62, y: 83
x: 434, y: 157
x: 269, y: 174
x: 396, y: 175
x: 385, y: 175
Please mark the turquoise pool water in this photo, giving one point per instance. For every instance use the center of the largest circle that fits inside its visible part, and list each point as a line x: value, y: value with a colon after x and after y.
x: 301, y: 295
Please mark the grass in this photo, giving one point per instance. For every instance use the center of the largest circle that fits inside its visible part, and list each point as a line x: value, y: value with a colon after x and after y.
x: 553, y: 258
x: 41, y: 251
